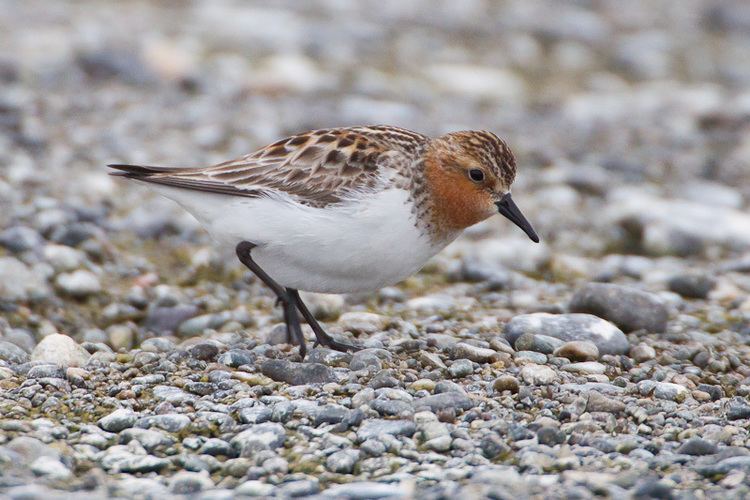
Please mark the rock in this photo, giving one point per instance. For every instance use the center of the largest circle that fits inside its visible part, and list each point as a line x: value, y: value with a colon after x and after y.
x: 642, y: 352
x: 568, y: 327
x: 51, y: 468
x: 325, y: 307
x: 255, y: 415
x: 697, y: 446
x: 18, y: 282
x: 235, y: 358
x: 365, y: 358
x: 297, y: 373
x: 506, y: 383
x: 493, y: 446
x: 63, y: 258
x: 585, y: 368
x: 195, y: 326
x: 363, y: 322
x: 19, y: 239
x: 461, y: 368
x: 738, y: 409
x: 118, y: 459
x: 46, y: 371
x: 205, y: 351
x: 266, y: 436
x: 628, y: 308
x: 342, y: 462
x: 537, y: 343
x: 598, y: 402
x: 477, y: 354
x: 538, y: 374
x: 121, y: 337
x: 162, y: 319
x: 254, y: 488
x: 170, y: 422
x: 376, y: 428
x: 118, y: 420
x: 78, y: 284
x: 60, y: 350
x: 653, y: 489
x: 12, y: 353
x: 725, y: 466
x: 367, y: 490
x: 438, y: 402
x: 664, y: 226
x: 578, y: 350
x: 550, y: 436
x: 149, y: 439
x: 189, y: 483
x: 693, y: 285
x: 663, y: 390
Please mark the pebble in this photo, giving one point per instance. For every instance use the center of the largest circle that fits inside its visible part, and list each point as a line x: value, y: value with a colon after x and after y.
x: 477, y: 354
x: 254, y: 488
x: 12, y: 353
x: 585, y: 368
x: 18, y: 282
x: 204, y: 351
x: 118, y: 420
x: 577, y: 350
x: 697, y: 446
x: 376, y: 428
x: 364, y: 359
x: 461, y: 368
x: 642, y: 353
x: 738, y: 409
x: 297, y: 373
x: 628, y: 308
x: 452, y: 399
x: 367, y: 490
x: 342, y: 462
x: 167, y: 319
x: 506, y: 383
x: 538, y: 374
x: 599, y: 402
x: 190, y: 483
x: 663, y: 390
x: 60, y: 350
x: 170, y: 422
x: 569, y: 327
x: 50, y: 468
x: 79, y: 284
x: 537, y: 343
x: 692, y: 286
x: 266, y: 436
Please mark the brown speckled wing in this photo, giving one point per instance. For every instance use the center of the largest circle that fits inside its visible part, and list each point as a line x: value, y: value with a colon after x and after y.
x: 316, y: 168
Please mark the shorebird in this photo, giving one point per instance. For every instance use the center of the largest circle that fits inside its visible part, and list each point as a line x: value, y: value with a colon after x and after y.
x: 343, y: 210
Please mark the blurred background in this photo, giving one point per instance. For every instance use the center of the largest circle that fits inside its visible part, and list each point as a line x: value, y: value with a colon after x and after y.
x: 630, y: 121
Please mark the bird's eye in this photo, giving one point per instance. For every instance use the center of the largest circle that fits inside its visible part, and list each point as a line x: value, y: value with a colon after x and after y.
x: 476, y: 175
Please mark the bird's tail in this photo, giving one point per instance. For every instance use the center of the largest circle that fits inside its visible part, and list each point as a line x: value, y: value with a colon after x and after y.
x: 137, y: 171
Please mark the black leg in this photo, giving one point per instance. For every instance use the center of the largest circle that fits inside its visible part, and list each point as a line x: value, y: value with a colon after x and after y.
x: 287, y: 300
x: 321, y: 336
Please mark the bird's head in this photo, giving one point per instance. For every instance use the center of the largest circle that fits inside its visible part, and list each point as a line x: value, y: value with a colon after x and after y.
x: 469, y: 175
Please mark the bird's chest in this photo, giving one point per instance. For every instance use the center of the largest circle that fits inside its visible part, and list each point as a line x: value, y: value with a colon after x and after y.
x: 363, y: 246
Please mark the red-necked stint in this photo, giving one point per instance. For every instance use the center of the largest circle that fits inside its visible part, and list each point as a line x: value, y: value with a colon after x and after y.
x: 345, y: 209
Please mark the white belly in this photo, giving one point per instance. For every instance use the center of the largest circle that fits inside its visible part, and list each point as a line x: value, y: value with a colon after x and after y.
x: 359, y: 246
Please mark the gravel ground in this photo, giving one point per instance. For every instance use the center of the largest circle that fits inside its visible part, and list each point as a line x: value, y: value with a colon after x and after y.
x: 611, y: 360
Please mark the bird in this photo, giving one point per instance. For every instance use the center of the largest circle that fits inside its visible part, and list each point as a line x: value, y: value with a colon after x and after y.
x: 342, y: 210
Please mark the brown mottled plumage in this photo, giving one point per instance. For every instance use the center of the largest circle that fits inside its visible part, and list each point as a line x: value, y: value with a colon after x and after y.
x: 329, y: 166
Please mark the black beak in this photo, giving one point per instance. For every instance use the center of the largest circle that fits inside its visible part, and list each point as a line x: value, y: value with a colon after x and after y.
x: 509, y: 209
